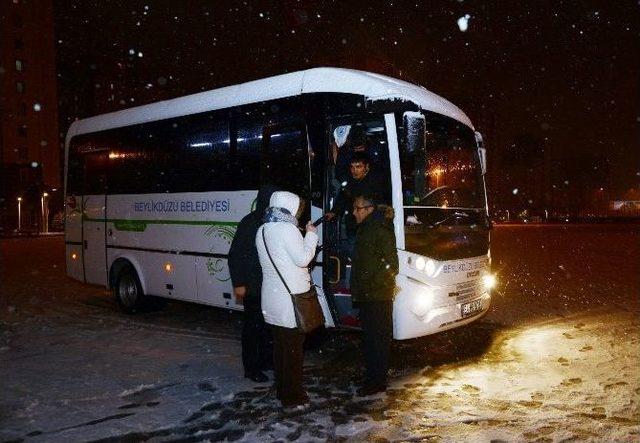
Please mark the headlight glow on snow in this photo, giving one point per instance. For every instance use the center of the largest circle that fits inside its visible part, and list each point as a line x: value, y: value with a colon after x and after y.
x: 489, y: 281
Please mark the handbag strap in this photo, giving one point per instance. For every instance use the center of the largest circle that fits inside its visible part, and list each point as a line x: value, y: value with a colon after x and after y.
x: 273, y: 263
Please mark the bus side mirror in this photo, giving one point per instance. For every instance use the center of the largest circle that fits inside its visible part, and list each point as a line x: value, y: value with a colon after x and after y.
x: 482, y: 152
x: 414, y: 131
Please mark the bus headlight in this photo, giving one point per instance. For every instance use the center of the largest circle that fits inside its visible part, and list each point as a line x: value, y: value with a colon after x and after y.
x: 426, y: 265
x: 489, y: 281
x: 430, y: 267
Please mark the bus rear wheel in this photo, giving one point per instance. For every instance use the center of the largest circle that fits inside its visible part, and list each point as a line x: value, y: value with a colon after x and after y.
x: 128, y: 291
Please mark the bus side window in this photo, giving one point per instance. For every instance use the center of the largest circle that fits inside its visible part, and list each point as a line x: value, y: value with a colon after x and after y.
x: 198, y: 150
x: 75, y: 173
x: 95, y: 172
x: 246, y: 165
x: 133, y: 161
x: 88, y: 165
x: 286, y: 158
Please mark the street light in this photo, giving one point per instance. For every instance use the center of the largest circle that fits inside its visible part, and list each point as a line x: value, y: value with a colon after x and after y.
x: 19, y: 214
x: 43, y: 200
x: 437, y: 172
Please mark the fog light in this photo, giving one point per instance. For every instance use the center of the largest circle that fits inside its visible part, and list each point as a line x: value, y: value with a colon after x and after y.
x: 489, y: 281
x: 422, y: 304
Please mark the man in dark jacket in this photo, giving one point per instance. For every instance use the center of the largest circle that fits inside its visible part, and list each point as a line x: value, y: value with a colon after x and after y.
x: 356, y: 142
x: 362, y: 181
x: 246, y: 277
x: 374, y: 267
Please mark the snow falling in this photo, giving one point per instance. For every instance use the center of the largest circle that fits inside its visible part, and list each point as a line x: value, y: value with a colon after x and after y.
x: 556, y: 357
x: 463, y: 22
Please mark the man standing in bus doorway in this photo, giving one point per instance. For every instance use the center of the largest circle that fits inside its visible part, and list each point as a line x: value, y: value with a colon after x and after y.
x: 246, y: 277
x: 361, y: 181
x: 348, y: 140
x: 373, y: 277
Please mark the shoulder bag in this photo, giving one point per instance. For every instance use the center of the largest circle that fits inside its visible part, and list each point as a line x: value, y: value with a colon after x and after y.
x: 306, y: 307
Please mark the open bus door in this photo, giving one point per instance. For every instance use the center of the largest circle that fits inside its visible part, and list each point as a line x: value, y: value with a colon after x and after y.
x: 366, y: 133
x: 287, y: 161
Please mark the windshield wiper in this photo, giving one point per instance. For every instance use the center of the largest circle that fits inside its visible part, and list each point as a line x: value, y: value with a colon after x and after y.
x: 439, y: 188
x: 457, y: 215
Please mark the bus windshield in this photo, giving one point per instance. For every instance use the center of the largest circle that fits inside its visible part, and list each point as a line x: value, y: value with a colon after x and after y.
x: 447, y: 174
x: 443, y: 193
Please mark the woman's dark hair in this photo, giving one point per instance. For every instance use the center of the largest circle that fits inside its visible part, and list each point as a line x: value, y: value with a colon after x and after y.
x: 301, y: 207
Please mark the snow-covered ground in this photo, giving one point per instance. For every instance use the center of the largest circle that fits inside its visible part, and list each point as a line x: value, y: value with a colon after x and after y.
x: 556, y: 359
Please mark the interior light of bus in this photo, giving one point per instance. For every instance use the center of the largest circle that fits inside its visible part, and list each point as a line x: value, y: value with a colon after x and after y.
x: 489, y: 281
x: 168, y: 267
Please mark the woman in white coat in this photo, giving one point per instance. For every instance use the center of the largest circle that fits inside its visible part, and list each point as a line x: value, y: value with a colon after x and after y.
x: 291, y: 253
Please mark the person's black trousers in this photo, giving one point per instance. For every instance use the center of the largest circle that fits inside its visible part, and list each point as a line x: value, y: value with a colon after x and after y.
x: 256, y: 337
x: 377, y: 332
x: 287, y: 365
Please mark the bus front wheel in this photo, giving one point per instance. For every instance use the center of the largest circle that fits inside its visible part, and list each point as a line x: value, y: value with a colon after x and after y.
x: 128, y: 290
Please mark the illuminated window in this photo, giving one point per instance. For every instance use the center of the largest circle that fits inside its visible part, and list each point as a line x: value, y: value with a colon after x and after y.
x: 20, y: 87
x: 19, y: 65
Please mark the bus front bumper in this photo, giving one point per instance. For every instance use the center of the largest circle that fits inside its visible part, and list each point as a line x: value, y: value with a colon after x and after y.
x: 419, y: 309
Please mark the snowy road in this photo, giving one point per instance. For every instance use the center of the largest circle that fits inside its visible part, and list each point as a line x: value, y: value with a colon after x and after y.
x: 556, y: 359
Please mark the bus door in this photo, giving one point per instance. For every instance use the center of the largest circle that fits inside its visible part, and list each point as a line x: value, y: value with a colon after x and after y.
x: 347, y: 135
x: 94, y: 217
x: 287, y: 160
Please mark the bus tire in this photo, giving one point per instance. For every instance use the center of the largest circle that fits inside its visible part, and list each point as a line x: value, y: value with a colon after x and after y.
x: 128, y: 290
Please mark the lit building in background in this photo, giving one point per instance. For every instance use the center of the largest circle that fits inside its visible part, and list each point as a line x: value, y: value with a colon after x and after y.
x: 29, y: 143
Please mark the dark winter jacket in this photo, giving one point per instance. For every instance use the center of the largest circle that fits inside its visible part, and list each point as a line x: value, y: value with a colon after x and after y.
x: 244, y: 264
x: 374, y: 265
x: 370, y: 185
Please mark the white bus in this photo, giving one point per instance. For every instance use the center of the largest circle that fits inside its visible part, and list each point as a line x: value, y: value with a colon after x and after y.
x: 153, y: 194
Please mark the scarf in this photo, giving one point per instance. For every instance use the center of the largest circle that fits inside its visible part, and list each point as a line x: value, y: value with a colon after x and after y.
x: 273, y: 214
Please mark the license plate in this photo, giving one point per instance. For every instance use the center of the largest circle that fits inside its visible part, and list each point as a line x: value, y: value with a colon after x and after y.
x: 471, y: 308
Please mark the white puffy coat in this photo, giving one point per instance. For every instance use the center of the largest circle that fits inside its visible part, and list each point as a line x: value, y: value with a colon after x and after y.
x: 292, y: 254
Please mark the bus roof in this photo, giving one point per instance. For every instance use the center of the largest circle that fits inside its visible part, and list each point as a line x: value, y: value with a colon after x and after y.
x: 371, y: 86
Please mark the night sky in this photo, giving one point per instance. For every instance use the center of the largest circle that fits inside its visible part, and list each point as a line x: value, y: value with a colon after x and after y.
x: 565, y: 74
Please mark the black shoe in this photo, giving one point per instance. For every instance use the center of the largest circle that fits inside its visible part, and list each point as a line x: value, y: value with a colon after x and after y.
x: 257, y: 376
x: 368, y: 390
